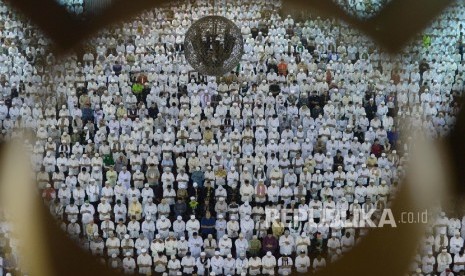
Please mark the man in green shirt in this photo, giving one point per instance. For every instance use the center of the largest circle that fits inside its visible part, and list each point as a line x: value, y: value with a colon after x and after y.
x: 111, y: 176
x: 255, y: 245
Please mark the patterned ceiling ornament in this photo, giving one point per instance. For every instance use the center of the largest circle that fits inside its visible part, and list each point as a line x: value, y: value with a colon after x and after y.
x: 213, y: 45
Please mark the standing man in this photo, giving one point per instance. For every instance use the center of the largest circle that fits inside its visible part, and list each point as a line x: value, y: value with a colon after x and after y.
x: 129, y: 265
x: 302, y: 262
x: 144, y: 261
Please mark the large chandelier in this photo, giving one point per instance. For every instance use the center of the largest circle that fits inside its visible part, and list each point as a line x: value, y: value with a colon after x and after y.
x: 213, y: 45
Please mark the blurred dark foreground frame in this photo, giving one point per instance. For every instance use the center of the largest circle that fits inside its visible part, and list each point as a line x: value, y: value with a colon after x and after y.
x: 384, y: 251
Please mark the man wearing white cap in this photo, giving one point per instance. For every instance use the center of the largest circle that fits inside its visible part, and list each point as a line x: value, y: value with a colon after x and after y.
x: 246, y: 190
x: 148, y: 228
x: 87, y: 213
x: 242, y: 264
x: 192, y: 225
x: 268, y: 263
x: 188, y: 263
x: 229, y: 265
x: 171, y: 245
x: 217, y: 264
x: 182, y: 246
x: 255, y: 265
x: 144, y: 262
x: 141, y: 243
x: 242, y: 244
x: 333, y: 244
x: 195, y: 245
x: 129, y: 264
x: 444, y: 260
x: 286, y: 243
x: 124, y: 177
x: 233, y: 227
x: 160, y: 261
x: 127, y: 245
x: 225, y: 245
x: 74, y: 229
x: 302, y: 262
x: 97, y: 245
x: 456, y: 243
x: 428, y: 263
x: 163, y: 226
x: 203, y: 264
x: 112, y: 244
x: 179, y: 227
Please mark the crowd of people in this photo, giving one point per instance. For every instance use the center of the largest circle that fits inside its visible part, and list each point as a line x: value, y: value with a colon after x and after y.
x: 155, y: 168
x: 363, y: 9
x: 75, y: 7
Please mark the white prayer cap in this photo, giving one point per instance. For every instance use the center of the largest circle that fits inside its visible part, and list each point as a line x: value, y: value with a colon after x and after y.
x: 192, y: 216
x: 268, y: 253
x: 143, y: 250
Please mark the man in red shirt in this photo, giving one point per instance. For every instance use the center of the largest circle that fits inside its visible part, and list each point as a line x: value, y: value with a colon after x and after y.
x: 377, y: 149
x: 48, y: 194
x: 282, y: 68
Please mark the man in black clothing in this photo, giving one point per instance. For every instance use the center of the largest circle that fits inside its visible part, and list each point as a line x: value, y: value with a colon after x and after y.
x: 371, y: 109
x: 313, y: 100
x: 153, y: 111
x: 338, y: 160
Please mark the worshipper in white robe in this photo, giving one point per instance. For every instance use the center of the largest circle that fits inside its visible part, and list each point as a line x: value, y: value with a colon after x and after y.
x: 268, y: 263
x: 229, y: 265
x: 174, y: 266
x: 286, y: 243
x: 129, y: 264
x: 217, y: 264
x: 302, y: 262
x: 285, y: 264
x: 195, y: 245
x: 444, y: 260
x: 188, y: 263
